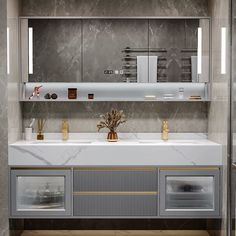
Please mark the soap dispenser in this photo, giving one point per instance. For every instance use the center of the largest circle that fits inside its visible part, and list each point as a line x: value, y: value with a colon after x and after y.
x: 165, y: 130
x: 65, y: 130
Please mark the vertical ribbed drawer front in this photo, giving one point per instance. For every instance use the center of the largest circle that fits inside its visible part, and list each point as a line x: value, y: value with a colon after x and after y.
x: 115, y: 180
x: 115, y: 205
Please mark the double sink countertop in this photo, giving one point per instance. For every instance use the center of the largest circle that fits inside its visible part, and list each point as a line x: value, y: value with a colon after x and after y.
x: 132, y: 149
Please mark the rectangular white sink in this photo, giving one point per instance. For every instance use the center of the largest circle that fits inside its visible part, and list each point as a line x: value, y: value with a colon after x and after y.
x: 150, y: 141
x: 174, y: 142
x: 130, y: 150
x: 60, y: 142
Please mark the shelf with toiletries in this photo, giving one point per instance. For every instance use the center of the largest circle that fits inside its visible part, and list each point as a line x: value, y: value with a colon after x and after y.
x: 83, y: 92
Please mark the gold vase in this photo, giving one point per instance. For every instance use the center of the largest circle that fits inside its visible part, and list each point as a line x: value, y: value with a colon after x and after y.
x: 40, y: 136
x: 112, y: 136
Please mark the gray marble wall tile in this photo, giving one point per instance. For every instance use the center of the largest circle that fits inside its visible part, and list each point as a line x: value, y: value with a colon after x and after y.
x: 115, y: 7
x: 57, y: 41
x: 219, y: 108
x: 4, y: 228
x: 142, y: 116
x: 14, y: 108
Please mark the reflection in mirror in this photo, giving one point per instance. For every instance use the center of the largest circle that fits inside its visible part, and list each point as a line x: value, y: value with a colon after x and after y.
x: 103, y: 46
x: 118, y: 50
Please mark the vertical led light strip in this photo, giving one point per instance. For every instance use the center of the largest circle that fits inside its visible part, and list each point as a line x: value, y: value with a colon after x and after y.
x: 199, y: 51
x: 223, y: 50
x: 8, y: 50
x: 31, y: 50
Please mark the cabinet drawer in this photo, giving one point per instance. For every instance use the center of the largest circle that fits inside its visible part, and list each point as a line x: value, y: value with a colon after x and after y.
x: 115, y: 205
x: 115, y: 180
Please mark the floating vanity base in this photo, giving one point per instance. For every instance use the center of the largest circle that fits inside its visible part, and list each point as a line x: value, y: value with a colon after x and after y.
x: 115, y: 192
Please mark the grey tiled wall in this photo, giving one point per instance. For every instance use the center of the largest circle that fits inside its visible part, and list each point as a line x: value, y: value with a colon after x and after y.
x: 115, y: 7
x: 3, y: 121
x: 142, y: 117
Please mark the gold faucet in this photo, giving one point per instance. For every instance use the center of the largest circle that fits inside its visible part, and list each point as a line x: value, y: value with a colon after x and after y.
x: 165, y: 130
x: 65, y: 130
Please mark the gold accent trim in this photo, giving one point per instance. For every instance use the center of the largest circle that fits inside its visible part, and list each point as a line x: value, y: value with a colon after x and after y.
x: 213, y: 168
x: 117, y: 168
x: 114, y: 193
x: 40, y: 168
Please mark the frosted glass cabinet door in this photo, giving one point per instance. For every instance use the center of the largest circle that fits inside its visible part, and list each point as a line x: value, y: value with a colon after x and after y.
x: 40, y: 192
x: 192, y: 193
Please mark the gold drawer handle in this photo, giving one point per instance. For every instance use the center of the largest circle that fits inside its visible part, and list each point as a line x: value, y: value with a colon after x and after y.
x: 117, y: 168
x: 182, y: 168
x: 114, y: 193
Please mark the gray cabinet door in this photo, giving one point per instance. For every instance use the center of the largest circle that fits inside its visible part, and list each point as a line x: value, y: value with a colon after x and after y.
x: 191, y: 193
x: 41, y: 193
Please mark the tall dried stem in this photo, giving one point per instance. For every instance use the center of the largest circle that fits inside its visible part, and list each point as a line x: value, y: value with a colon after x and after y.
x: 111, y: 120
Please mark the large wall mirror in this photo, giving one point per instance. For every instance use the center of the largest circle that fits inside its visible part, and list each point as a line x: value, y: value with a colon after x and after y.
x: 115, y: 50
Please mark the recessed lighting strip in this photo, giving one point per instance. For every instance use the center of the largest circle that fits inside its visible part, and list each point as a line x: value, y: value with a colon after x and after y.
x: 31, y: 51
x: 199, y: 52
x: 223, y: 50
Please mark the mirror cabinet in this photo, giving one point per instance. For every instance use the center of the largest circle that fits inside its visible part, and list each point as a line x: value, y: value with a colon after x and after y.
x: 153, y: 53
x: 115, y: 50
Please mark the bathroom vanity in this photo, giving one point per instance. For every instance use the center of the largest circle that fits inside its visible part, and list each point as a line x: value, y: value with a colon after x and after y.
x: 109, y: 59
x: 155, y: 61
x: 140, y: 176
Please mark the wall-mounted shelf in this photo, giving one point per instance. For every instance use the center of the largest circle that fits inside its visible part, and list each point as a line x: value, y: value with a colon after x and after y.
x: 119, y: 92
x: 118, y: 100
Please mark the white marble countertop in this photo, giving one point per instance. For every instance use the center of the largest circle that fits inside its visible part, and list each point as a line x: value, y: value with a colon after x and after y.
x: 131, y: 149
x: 123, y: 142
